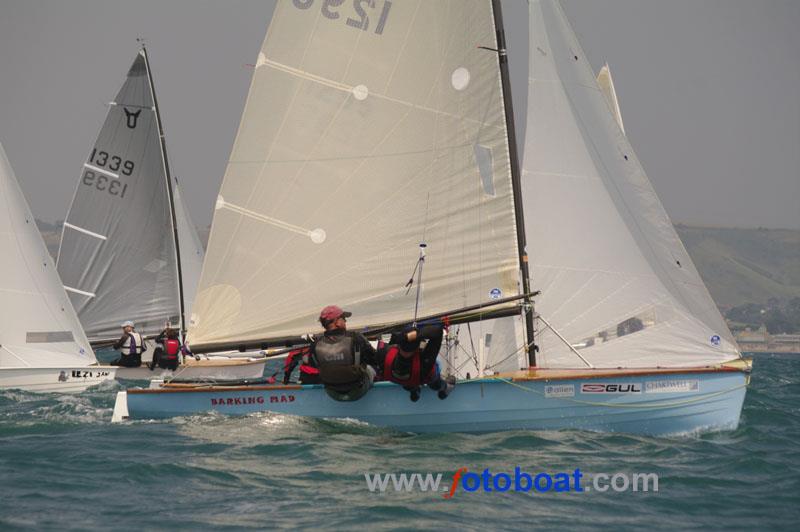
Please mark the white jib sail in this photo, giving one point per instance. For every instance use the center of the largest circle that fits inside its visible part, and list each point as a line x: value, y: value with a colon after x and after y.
x: 191, y: 249
x: 616, y: 282
x: 38, y: 326
x: 369, y: 126
x: 117, y: 257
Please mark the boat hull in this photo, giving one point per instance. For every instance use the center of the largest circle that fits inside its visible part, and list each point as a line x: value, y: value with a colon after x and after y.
x: 55, y: 379
x: 660, y: 403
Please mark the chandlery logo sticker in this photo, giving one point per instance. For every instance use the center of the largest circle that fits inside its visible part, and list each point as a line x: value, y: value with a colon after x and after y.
x: 672, y: 386
x: 611, y: 387
x: 559, y: 390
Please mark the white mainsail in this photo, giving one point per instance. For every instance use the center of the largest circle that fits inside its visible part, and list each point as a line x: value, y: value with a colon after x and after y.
x: 606, y: 84
x: 617, y: 284
x: 369, y: 127
x: 38, y: 326
x: 118, y: 256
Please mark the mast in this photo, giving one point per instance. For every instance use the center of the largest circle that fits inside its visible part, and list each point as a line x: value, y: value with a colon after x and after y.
x: 168, y: 178
x: 515, y: 179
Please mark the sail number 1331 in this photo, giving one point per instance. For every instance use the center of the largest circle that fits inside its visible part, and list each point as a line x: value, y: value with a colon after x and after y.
x: 359, y: 18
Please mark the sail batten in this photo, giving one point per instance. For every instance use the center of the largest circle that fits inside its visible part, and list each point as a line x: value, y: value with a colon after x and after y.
x: 355, y: 144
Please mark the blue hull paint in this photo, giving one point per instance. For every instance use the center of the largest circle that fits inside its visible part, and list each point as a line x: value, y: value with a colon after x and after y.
x: 492, y: 405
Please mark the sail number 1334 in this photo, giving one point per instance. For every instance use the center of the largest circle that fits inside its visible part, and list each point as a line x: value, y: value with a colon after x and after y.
x: 358, y: 18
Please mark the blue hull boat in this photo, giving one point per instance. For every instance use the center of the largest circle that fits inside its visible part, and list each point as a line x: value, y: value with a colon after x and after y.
x: 652, y: 402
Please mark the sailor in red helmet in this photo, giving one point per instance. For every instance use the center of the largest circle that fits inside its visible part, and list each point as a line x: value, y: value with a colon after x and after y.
x: 345, y: 359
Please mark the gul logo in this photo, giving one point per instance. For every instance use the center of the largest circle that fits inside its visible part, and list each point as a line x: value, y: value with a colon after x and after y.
x: 715, y: 340
x: 281, y: 398
x: 495, y: 293
x: 613, y: 387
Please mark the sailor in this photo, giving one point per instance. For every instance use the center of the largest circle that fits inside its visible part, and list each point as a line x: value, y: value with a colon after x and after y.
x: 345, y: 359
x: 409, y: 364
x: 309, y: 372
x: 132, y: 346
x: 168, y: 348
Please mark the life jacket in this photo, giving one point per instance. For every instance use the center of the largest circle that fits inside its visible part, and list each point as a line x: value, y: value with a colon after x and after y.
x: 171, y: 348
x: 140, y: 347
x: 305, y: 361
x: 335, y: 350
x: 416, y: 368
x: 339, y: 362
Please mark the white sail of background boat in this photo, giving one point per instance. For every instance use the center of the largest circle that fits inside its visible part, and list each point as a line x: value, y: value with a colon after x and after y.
x: 129, y: 250
x: 42, y: 345
x: 606, y: 84
x: 617, y: 284
x: 367, y: 131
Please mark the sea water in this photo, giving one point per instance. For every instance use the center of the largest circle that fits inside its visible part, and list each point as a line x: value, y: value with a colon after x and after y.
x: 63, y: 465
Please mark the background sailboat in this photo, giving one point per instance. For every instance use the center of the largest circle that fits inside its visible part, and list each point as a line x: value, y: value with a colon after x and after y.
x: 129, y: 250
x: 358, y: 140
x: 42, y: 345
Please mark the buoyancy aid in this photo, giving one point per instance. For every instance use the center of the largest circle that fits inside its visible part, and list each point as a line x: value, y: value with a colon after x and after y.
x: 416, y: 368
x: 171, y: 348
x: 335, y: 351
x: 126, y: 345
x: 339, y: 362
x: 305, y: 361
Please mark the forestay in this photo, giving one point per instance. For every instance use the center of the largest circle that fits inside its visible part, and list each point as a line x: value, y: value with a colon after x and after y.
x: 38, y: 327
x: 118, y: 257
x: 616, y: 282
x: 369, y: 127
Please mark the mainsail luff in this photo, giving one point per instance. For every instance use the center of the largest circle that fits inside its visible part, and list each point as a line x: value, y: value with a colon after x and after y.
x: 502, y: 57
x: 343, y: 117
x: 616, y: 281
x: 169, y: 185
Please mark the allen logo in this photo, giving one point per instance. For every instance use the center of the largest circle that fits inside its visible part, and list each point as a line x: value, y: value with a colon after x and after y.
x: 132, y: 117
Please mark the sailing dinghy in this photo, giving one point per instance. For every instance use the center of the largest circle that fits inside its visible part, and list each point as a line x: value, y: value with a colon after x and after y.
x: 42, y: 345
x: 368, y: 130
x: 129, y: 250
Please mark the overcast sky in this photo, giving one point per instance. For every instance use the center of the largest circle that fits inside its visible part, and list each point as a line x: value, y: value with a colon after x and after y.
x: 709, y: 91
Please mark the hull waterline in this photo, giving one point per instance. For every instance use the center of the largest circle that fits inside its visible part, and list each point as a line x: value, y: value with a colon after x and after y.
x: 647, y: 403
